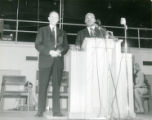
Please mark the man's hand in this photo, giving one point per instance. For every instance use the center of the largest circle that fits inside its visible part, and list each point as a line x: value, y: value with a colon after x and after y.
x: 55, y: 53
x: 58, y: 52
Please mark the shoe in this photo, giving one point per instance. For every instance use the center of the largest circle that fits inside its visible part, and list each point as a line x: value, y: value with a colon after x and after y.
x: 58, y: 114
x: 39, y: 114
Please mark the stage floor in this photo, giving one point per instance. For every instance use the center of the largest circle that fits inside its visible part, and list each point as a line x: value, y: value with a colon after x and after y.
x: 24, y: 115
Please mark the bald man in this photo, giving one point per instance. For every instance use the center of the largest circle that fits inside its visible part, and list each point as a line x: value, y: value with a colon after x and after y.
x: 90, y: 31
x: 51, y: 43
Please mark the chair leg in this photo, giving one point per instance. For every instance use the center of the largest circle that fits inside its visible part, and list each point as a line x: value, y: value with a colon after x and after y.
x: 2, y: 99
x: 28, y: 101
x: 146, y: 105
x: 67, y: 104
x: 1, y: 103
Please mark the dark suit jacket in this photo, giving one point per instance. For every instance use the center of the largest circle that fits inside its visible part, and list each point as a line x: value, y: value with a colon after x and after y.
x: 45, y: 42
x: 81, y: 35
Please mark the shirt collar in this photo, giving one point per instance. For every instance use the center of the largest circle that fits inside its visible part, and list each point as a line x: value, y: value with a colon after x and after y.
x: 52, y: 27
x: 93, y: 27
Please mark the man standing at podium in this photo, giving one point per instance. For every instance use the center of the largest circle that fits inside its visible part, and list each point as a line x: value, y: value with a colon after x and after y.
x: 92, y: 30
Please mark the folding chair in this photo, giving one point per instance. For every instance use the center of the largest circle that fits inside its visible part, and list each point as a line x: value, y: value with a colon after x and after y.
x: 16, y: 81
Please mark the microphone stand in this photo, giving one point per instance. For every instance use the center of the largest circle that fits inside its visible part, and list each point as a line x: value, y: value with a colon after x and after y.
x: 109, y: 35
x: 126, y: 46
x: 126, y: 51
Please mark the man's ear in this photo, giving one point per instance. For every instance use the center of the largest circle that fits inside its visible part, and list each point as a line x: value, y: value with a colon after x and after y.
x: 85, y: 21
x: 48, y: 19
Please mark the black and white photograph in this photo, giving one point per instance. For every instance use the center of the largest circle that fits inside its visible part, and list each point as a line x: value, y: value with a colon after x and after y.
x: 75, y: 59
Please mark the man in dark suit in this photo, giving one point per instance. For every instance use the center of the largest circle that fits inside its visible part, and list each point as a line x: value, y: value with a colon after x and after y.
x: 51, y: 44
x: 92, y: 30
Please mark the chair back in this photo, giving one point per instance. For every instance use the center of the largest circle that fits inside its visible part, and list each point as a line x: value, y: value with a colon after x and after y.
x: 13, y: 80
x: 9, y: 80
x: 13, y: 87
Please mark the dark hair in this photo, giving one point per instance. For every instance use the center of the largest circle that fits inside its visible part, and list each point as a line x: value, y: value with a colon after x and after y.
x: 28, y: 83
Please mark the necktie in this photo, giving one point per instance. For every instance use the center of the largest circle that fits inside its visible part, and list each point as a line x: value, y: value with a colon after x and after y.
x: 91, y: 32
x: 53, y: 32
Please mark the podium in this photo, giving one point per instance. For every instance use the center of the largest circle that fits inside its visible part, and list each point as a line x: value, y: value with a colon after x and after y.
x: 99, y: 81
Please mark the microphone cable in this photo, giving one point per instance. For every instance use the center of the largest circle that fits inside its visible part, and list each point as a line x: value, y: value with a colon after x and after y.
x: 98, y: 79
x: 112, y: 78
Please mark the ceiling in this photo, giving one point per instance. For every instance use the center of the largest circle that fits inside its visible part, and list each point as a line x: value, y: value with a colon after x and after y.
x: 137, y: 12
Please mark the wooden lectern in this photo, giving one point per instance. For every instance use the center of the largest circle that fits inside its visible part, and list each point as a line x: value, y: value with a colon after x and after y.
x: 99, y: 82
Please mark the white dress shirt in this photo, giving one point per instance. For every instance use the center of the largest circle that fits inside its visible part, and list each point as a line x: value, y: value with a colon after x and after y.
x: 89, y: 29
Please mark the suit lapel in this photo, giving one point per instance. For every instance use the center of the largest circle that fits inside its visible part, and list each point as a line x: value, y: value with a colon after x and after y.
x: 58, y: 32
x: 98, y: 33
x: 59, y: 37
x: 86, y: 32
x: 49, y: 29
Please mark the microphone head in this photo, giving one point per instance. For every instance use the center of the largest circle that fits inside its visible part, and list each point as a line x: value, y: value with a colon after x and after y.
x: 123, y: 21
x: 98, y: 22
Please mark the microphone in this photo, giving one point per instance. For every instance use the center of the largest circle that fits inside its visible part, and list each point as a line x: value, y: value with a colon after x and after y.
x: 108, y: 34
x: 98, y: 22
x: 99, y: 26
x: 123, y: 22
